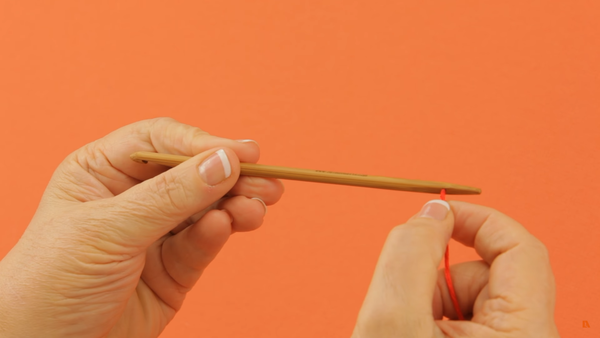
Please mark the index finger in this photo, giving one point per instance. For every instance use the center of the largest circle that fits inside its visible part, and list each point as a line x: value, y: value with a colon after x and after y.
x: 165, y: 135
x: 107, y: 159
x: 520, y: 272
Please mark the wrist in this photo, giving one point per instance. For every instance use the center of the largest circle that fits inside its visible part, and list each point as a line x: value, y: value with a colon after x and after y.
x: 22, y: 312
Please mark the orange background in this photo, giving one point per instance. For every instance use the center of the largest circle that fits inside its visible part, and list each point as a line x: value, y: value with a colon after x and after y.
x: 502, y: 95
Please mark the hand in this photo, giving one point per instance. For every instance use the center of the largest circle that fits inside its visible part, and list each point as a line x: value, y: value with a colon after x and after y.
x: 510, y: 293
x: 115, y: 245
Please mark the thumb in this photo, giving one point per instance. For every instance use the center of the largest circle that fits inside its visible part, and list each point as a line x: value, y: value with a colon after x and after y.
x: 152, y: 208
x: 401, y: 293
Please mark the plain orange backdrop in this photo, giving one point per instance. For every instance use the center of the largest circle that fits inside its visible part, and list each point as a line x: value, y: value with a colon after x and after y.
x: 503, y: 95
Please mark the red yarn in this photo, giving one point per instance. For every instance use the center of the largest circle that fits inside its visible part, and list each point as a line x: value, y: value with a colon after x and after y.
x: 447, y: 272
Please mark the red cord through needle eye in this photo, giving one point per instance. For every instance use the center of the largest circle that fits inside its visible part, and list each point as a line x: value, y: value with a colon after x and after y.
x: 447, y: 273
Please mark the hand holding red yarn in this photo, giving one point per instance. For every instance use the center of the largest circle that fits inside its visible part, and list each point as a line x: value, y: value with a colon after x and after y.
x: 509, y: 293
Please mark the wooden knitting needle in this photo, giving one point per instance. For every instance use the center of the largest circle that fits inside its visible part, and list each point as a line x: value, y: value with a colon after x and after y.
x: 322, y: 176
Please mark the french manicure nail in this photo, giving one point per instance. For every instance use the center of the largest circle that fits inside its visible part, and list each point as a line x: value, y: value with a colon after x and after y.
x: 215, y: 168
x: 261, y: 201
x: 436, y: 209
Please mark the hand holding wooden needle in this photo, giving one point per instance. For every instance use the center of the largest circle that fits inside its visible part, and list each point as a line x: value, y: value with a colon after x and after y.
x: 115, y: 245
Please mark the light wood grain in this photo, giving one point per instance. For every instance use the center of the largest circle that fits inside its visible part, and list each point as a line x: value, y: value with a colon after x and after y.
x: 322, y: 176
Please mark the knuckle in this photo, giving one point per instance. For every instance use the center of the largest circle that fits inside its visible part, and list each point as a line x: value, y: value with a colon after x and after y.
x: 397, y: 231
x: 494, y: 223
x: 192, y: 137
x: 496, y: 312
x: 168, y: 191
x: 198, y: 133
x: 496, y: 235
x: 399, y: 234
x: 540, y: 248
x: 162, y: 120
x: 143, y: 127
x: 155, y: 126
x: 185, y: 138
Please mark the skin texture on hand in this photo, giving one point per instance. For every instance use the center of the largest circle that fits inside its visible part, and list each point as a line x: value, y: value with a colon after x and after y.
x: 509, y: 293
x: 115, y: 245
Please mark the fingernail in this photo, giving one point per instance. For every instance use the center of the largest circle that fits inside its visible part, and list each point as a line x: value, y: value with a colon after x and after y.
x: 436, y: 209
x: 261, y: 201
x: 215, y: 168
x: 246, y: 141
